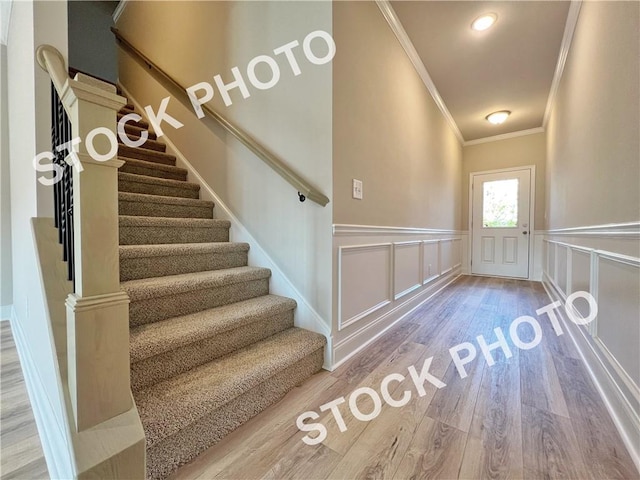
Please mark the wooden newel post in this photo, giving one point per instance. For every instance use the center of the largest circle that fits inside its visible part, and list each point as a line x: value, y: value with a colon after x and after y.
x: 98, y: 311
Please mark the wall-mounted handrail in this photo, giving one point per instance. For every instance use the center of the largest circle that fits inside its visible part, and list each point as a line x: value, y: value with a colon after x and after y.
x: 305, y: 190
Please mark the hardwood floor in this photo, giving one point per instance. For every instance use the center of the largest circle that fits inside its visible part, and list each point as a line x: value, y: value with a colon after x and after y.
x: 21, y: 454
x: 533, y: 414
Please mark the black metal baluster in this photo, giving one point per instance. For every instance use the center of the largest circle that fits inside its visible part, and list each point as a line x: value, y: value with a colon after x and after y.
x: 63, y: 189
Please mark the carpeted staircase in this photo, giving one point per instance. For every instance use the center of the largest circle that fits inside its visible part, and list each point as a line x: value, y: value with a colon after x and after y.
x: 210, y: 347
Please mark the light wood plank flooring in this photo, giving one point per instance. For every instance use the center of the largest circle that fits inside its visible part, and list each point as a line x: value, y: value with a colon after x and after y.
x: 21, y: 454
x: 534, y: 415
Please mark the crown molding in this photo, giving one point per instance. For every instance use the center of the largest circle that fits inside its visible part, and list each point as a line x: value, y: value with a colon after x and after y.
x: 122, y: 4
x: 396, y: 26
x: 504, y: 136
x: 569, y: 29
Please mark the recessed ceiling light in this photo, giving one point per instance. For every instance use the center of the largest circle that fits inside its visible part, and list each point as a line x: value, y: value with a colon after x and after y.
x: 484, y: 21
x: 498, y: 117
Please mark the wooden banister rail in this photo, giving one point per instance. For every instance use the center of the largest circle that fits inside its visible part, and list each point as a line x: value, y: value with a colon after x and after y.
x: 304, y: 188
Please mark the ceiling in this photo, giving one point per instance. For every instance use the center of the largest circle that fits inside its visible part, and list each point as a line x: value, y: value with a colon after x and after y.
x: 510, y: 66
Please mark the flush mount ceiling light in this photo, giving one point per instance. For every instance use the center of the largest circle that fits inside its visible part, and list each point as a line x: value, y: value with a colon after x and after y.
x: 484, y: 21
x: 497, y: 118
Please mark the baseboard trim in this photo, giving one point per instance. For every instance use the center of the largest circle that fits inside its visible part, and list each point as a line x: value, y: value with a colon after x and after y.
x: 604, y: 378
x: 305, y: 315
x: 401, y: 311
x: 54, y: 437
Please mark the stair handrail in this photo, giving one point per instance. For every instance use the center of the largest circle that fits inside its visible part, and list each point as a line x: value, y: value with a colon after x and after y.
x: 304, y: 188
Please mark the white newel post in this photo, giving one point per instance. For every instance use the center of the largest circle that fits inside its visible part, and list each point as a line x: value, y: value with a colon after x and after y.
x: 98, y: 311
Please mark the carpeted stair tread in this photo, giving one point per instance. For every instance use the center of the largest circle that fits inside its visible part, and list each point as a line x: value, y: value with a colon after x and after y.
x: 140, y: 204
x: 152, y: 169
x: 179, y: 249
x: 139, y: 221
x: 162, y: 199
x: 151, y: 184
x: 160, y: 337
x: 145, y: 154
x: 148, y: 144
x: 133, y: 129
x: 159, y: 260
x: 148, y: 288
x: 169, y: 406
x: 142, y: 123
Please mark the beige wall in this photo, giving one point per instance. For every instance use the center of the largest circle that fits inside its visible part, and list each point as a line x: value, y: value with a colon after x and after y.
x: 593, y: 166
x: 195, y: 41
x: 512, y: 152
x: 6, y: 287
x: 387, y: 131
x: 593, y: 174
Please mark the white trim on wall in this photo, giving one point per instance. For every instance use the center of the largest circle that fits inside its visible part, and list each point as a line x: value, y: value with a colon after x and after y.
x: 609, y: 230
x: 618, y: 390
x: 343, y: 323
x: 360, y: 339
x: 375, y: 291
x: 122, y: 4
x: 569, y: 29
x: 396, y: 26
x: 340, y: 229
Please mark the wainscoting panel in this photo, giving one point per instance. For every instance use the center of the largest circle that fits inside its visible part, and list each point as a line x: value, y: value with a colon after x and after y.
x: 562, y: 254
x: 446, y: 256
x: 580, y: 272
x: 365, y: 283
x: 618, y: 310
x: 595, y: 259
x: 430, y: 260
x: 383, y: 273
x: 407, y: 267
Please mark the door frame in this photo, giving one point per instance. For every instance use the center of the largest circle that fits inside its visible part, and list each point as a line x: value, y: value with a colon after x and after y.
x: 532, y: 212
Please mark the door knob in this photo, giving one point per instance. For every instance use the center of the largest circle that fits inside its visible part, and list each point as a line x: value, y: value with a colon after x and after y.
x: 525, y: 232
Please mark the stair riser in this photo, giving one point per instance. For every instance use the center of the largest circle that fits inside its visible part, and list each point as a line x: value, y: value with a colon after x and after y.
x: 155, y: 309
x: 153, y: 172
x: 149, y: 144
x: 163, y: 210
x: 135, y: 130
x: 161, y: 367
x: 151, y: 189
x: 147, y: 267
x: 164, y: 457
x: 157, y: 235
x: 138, y: 154
x: 141, y: 123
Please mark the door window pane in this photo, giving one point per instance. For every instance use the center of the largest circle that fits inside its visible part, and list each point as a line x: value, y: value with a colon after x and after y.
x: 500, y: 204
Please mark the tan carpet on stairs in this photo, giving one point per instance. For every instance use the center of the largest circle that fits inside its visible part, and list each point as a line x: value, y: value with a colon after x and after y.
x: 210, y: 347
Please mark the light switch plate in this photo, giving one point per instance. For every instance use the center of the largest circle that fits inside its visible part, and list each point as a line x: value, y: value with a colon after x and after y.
x: 357, y: 189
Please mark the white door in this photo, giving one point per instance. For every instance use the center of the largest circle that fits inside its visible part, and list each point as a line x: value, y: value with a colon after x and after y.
x: 501, y: 221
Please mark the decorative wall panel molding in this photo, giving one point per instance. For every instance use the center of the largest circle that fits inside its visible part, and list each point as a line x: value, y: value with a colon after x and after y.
x: 365, y: 281
x: 609, y: 344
